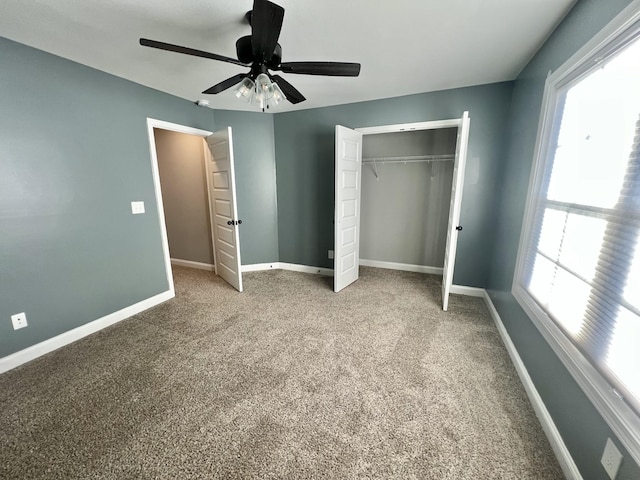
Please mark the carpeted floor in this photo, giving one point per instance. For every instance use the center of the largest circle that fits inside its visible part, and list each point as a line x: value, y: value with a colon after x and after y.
x: 286, y: 380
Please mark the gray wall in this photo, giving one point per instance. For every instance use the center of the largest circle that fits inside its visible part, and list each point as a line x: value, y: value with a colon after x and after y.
x: 74, y: 152
x: 185, y: 200
x: 305, y: 169
x: 254, y: 155
x: 405, y: 209
x: 582, y: 428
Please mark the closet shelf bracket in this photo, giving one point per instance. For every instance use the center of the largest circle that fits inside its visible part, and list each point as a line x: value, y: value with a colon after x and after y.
x: 374, y: 166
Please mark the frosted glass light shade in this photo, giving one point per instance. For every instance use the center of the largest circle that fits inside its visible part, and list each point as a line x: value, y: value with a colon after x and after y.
x: 245, y: 90
x: 264, y: 87
x: 277, y: 96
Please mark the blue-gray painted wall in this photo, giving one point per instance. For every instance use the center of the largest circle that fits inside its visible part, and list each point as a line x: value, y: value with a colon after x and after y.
x: 582, y: 428
x: 254, y: 156
x: 305, y: 170
x: 74, y: 152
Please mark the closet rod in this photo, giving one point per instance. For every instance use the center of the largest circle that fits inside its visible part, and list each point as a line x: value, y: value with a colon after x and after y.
x: 410, y: 159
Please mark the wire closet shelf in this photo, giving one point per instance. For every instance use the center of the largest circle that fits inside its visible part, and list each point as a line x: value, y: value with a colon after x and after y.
x: 374, y: 161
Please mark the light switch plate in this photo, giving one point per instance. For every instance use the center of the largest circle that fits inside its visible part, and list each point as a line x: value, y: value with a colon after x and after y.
x: 611, y: 459
x: 137, y: 207
x: 19, y: 320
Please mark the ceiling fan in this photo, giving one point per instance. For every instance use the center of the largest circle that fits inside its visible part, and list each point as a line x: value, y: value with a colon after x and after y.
x: 261, y: 52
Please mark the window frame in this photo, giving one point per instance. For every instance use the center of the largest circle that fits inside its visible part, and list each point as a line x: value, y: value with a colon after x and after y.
x: 620, y: 417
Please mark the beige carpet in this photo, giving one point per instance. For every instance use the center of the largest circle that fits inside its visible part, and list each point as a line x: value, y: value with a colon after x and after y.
x: 286, y: 380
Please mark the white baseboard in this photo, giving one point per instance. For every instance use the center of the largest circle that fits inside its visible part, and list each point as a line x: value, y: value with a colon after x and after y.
x: 468, y: 291
x: 259, y: 267
x: 31, y: 353
x: 407, y: 267
x: 569, y: 468
x: 294, y: 267
x: 191, y: 264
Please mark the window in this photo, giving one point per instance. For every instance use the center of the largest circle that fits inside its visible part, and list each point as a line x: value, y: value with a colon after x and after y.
x: 578, y: 273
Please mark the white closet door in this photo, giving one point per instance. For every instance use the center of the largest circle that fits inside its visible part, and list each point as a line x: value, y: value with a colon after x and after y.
x: 347, y: 207
x: 454, y: 227
x: 223, y: 208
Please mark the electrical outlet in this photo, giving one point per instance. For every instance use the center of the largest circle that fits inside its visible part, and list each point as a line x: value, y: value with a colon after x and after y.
x: 611, y: 459
x: 137, y: 207
x: 19, y: 320
x: 330, y: 254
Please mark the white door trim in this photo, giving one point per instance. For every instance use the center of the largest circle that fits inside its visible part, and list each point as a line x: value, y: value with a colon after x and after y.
x: 174, y: 127
x: 406, y: 127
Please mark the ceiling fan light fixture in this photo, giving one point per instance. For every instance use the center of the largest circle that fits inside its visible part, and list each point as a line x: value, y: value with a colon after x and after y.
x: 245, y: 90
x: 277, y: 97
x: 261, y: 52
x: 264, y: 87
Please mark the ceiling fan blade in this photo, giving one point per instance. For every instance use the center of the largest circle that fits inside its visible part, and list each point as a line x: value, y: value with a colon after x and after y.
x: 293, y: 95
x: 266, y: 23
x: 228, y: 83
x: 330, y: 69
x: 188, y: 51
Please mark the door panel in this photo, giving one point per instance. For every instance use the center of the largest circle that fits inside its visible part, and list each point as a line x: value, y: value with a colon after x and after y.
x: 347, y: 206
x: 454, y: 208
x: 223, y: 207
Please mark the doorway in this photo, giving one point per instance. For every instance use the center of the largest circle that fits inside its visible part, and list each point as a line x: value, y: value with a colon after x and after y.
x: 181, y: 165
x: 220, y: 194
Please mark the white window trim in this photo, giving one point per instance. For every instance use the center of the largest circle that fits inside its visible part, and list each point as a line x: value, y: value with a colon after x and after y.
x: 624, y: 422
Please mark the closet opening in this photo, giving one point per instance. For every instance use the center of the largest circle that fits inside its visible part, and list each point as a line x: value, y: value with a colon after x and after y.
x: 406, y: 193
x: 398, y: 198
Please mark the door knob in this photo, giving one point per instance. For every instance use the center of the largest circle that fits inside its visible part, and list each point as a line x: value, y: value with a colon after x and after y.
x: 230, y: 222
x: 459, y: 228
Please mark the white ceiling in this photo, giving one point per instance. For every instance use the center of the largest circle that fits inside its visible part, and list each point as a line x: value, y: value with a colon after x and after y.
x: 404, y: 46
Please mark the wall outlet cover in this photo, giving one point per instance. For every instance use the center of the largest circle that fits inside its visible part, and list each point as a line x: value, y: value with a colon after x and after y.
x: 330, y: 254
x: 137, y: 207
x: 19, y: 320
x: 611, y: 459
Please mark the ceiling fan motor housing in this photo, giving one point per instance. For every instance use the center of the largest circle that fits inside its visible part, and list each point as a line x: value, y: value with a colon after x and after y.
x: 244, y: 50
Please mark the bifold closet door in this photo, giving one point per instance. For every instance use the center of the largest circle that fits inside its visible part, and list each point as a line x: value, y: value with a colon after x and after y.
x: 454, y: 228
x: 223, y: 208
x: 347, y: 207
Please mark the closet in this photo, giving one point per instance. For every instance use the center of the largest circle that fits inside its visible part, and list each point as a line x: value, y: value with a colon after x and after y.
x: 406, y: 192
x: 398, y: 193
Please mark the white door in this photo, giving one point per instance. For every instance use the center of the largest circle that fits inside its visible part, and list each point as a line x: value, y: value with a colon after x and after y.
x: 347, y: 207
x: 454, y: 208
x: 223, y: 209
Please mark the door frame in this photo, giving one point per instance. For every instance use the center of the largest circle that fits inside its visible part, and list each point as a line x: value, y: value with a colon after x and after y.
x: 173, y: 127
x: 408, y: 127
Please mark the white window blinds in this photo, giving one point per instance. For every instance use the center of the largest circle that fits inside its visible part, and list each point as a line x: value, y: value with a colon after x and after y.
x: 582, y: 259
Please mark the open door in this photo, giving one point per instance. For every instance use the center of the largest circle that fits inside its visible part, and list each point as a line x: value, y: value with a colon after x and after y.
x: 454, y: 209
x: 347, y: 207
x: 223, y: 208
